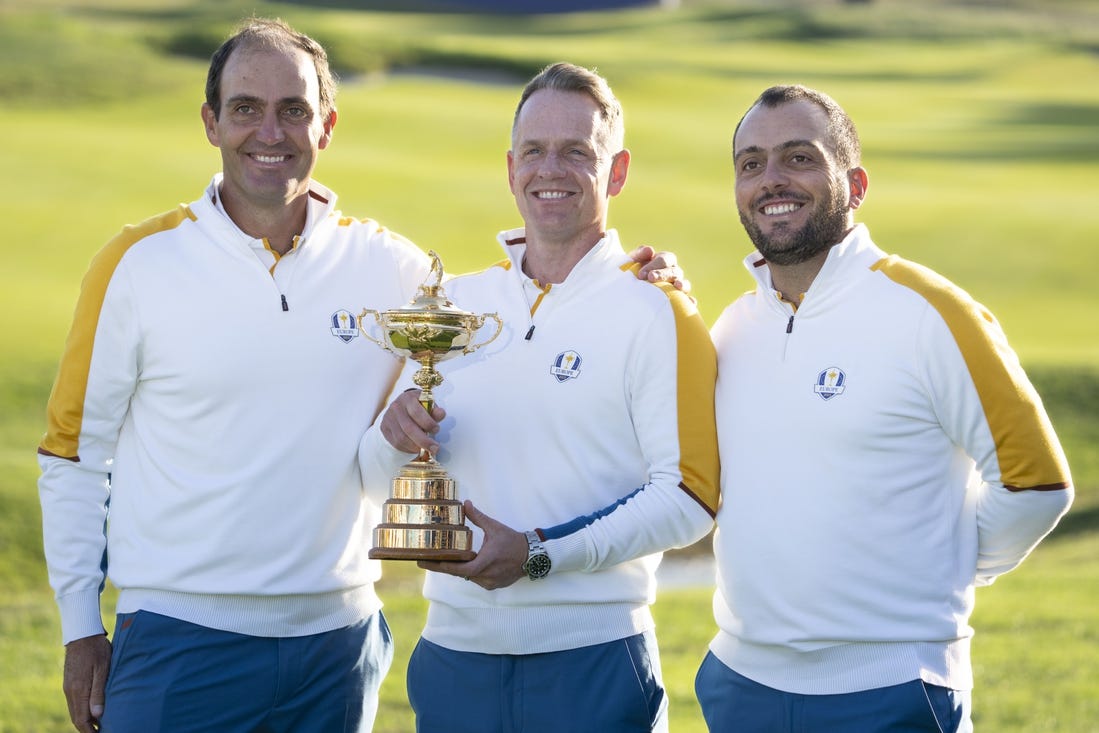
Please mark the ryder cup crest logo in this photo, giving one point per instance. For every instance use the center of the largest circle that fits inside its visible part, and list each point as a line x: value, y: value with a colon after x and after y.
x: 830, y: 383
x: 566, y: 366
x: 344, y: 326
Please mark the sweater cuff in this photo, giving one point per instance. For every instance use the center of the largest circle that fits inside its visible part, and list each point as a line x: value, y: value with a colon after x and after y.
x: 80, y: 615
x: 567, y: 553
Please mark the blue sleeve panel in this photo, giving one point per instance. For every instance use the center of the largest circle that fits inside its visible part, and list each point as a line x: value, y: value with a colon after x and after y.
x: 575, y: 525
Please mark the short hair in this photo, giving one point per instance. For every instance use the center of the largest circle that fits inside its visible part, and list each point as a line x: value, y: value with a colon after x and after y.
x: 841, y: 129
x: 274, y: 34
x: 566, y: 77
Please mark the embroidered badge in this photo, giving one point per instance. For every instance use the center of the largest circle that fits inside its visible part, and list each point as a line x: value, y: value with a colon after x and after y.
x: 566, y: 366
x: 830, y: 383
x: 344, y: 326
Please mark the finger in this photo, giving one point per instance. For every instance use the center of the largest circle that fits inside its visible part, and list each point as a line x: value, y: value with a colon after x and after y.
x: 395, y: 430
x: 408, y: 426
x: 663, y: 260
x: 76, y: 697
x: 642, y: 254
x: 473, y: 514
x: 666, y: 274
x: 427, y: 422
x: 464, y: 570
x: 97, y: 698
x: 480, y: 519
x: 80, y: 714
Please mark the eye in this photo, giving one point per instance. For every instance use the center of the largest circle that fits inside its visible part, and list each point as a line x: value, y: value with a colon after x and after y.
x: 296, y: 113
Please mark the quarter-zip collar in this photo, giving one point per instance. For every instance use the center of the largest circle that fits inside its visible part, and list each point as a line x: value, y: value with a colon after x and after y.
x: 607, y: 251
x: 846, y: 264
x: 215, y: 222
x: 541, y: 298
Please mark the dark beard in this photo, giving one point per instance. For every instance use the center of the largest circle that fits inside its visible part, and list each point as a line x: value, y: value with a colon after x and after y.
x: 825, y: 228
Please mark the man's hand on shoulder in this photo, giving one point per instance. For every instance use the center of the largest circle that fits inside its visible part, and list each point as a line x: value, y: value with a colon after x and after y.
x: 660, y: 267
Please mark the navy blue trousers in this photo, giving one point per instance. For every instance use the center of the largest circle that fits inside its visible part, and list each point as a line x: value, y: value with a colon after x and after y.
x: 172, y: 676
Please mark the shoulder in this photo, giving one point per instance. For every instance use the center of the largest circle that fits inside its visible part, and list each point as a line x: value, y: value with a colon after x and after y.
x: 479, y: 288
x: 956, y: 306
x: 152, y: 230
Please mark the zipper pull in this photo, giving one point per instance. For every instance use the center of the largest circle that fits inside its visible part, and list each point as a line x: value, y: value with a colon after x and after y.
x: 286, y: 306
x: 530, y: 333
x: 789, y: 325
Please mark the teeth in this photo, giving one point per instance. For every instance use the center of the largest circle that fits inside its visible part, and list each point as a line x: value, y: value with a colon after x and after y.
x: 551, y: 194
x: 270, y: 158
x: 780, y: 208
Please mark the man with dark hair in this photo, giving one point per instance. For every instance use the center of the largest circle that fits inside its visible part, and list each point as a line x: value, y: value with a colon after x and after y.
x: 882, y: 454
x: 213, y: 393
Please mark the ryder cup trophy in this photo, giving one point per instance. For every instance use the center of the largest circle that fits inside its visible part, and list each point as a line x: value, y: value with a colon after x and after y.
x: 422, y: 520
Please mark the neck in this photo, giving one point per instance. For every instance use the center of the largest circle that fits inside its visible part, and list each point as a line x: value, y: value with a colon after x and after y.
x: 793, y: 281
x: 551, y: 262
x: 276, y: 224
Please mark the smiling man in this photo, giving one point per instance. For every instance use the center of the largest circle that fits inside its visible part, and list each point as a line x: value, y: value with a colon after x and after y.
x: 882, y: 453
x: 204, y: 429
x: 582, y: 438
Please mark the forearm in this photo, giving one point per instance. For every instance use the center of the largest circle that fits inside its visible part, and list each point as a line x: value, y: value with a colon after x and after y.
x: 74, y: 515
x: 1011, y: 523
x: 653, y: 519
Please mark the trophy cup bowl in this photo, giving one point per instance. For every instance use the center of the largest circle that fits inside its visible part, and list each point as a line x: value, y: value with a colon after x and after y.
x: 422, y: 519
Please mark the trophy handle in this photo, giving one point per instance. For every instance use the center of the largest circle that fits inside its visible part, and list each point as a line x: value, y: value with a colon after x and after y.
x: 367, y: 336
x: 499, y: 327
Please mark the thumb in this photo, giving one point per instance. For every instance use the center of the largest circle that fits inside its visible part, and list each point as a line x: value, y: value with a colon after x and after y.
x: 475, y: 515
x: 96, y: 698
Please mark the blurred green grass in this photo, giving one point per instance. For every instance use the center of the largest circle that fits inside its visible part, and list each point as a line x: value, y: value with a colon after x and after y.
x: 979, y: 128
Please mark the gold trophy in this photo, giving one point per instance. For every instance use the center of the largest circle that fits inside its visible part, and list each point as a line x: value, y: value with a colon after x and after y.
x: 422, y: 520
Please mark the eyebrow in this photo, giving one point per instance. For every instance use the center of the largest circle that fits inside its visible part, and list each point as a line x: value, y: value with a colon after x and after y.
x: 575, y: 142
x: 254, y: 100
x: 783, y: 146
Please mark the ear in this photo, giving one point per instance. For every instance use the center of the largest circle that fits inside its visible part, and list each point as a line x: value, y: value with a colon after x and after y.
x: 329, y: 126
x: 857, y: 182
x: 210, y: 124
x: 511, y: 172
x: 620, y: 166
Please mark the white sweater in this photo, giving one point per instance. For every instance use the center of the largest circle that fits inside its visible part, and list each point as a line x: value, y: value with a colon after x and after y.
x: 611, y: 394
x: 225, y: 398
x: 882, y: 454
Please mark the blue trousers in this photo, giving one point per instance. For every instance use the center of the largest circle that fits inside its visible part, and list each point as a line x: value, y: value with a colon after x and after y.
x: 733, y: 703
x: 172, y: 676
x: 606, y: 688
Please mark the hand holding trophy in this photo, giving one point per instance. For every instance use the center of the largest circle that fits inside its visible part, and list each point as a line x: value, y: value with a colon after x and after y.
x: 422, y: 520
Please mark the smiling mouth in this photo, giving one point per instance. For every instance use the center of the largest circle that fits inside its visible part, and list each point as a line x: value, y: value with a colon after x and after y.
x: 551, y: 195
x: 269, y: 158
x: 779, y: 209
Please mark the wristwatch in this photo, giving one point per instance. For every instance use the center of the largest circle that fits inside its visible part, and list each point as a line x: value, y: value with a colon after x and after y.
x: 538, y: 562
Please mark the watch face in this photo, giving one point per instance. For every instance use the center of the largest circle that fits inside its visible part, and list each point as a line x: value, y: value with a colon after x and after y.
x: 537, y: 566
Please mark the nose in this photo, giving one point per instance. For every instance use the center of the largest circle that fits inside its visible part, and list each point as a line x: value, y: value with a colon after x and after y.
x: 270, y: 129
x: 550, y: 165
x: 774, y: 176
